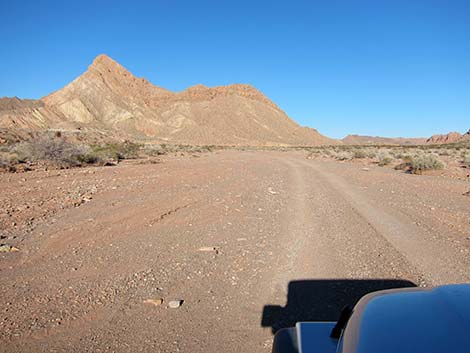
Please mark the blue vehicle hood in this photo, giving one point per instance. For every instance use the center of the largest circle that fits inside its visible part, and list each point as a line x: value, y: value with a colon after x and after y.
x: 410, y: 320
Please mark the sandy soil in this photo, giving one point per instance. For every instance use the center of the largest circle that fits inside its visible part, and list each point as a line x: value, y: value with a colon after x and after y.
x: 95, y: 244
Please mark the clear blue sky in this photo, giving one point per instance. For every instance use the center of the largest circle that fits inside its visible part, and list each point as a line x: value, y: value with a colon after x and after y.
x: 390, y: 68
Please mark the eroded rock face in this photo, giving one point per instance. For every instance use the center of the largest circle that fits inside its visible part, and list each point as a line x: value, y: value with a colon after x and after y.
x: 445, y: 138
x: 110, y: 99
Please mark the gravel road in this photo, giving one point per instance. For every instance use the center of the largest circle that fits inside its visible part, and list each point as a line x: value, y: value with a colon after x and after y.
x: 214, y: 254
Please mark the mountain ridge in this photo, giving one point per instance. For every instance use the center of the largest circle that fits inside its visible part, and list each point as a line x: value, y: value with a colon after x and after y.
x: 110, y: 99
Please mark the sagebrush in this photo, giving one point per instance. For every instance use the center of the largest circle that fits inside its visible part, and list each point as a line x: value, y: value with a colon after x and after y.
x: 425, y: 161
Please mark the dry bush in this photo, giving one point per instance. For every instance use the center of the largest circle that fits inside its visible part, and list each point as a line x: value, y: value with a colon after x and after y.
x: 425, y: 161
x: 444, y: 152
x: 343, y: 156
x: 371, y: 152
x: 8, y: 162
x: 327, y: 152
x: 384, y: 157
x: 154, y: 150
x: 53, y: 149
x: 359, y: 153
x: 466, y: 160
x: 313, y: 154
x: 115, y: 151
x: 401, y: 154
x: 158, y: 150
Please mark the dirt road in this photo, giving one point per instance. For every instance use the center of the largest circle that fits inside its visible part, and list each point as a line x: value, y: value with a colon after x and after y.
x: 96, y: 243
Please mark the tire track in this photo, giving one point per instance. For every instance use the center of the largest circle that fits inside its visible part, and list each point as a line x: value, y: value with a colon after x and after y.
x: 433, y: 262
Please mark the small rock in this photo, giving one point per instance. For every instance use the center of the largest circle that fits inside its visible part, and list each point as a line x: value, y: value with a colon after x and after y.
x: 156, y: 302
x: 365, y: 169
x: 209, y: 249
x: 173, y: 304
x: 272, y: 192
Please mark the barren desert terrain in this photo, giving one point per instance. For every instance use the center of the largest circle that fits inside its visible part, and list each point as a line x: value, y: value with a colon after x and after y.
x: 214, y: 252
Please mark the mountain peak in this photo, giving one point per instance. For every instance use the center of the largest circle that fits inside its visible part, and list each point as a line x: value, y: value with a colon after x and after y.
x: 103, y: 60
x: 105, y: 66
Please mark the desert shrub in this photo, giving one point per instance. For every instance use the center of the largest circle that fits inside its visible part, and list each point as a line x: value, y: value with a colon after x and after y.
x: 8, y: 162
x: 205, y: 149
x: 91, y: 158
x: 425, y: 161
x: 344, y: 156
x: 53, y: 149
x: 154, y: 150
x: 401, y: 154
x: 384, y: 158
x: 129, y: 149
x: 4, y: 148
x: 313, y: 154
x: 157, y: 150
x: 359, y: 153
x: 444, y: 152
x: 115, y: 151
x: 371, y: 152
x: 327, y: 152
x: 466, y: 160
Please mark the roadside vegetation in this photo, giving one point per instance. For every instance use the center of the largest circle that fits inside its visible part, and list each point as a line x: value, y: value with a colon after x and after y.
x: 411, y: 159
x: 57, y: 152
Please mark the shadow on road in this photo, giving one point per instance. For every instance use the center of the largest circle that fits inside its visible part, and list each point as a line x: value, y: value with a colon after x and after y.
x: 322, y: 300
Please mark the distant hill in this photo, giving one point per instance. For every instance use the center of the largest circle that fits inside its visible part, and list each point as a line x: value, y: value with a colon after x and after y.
x: 107, y: 99
x: 451, y: 137
x: 376, y: 140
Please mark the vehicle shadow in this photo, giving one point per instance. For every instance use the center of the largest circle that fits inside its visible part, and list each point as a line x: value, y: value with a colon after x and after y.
x: 322, y: 300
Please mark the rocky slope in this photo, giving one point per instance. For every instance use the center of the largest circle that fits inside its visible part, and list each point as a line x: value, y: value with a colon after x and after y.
x: 108, y: 99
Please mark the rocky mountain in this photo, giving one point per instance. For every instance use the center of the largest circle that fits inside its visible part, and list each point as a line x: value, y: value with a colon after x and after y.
x: 377, y: 140
x: 109, y: 100
x: 451, y: 137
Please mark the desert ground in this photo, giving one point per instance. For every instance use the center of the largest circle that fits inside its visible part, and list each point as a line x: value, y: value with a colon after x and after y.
x: 245, y: 242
